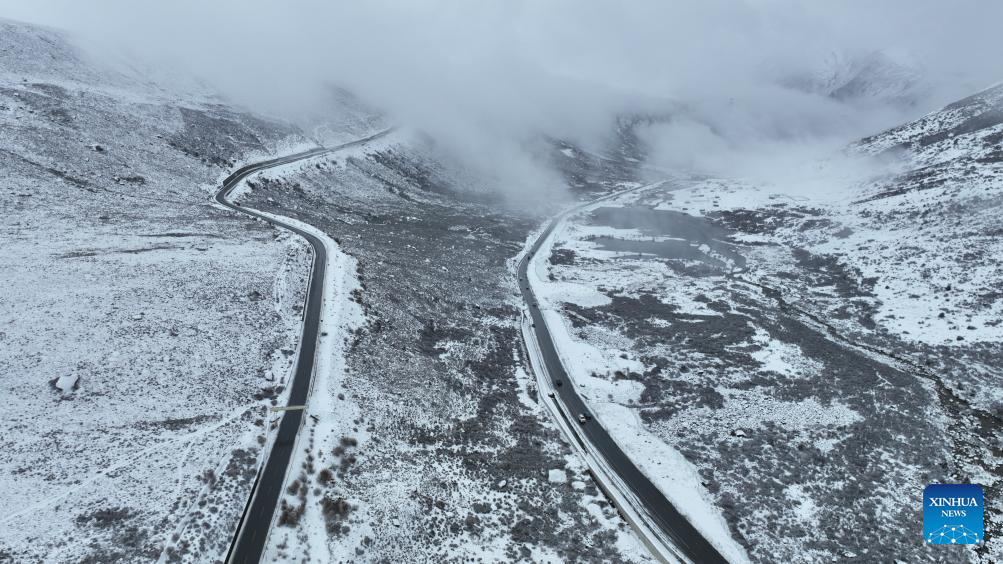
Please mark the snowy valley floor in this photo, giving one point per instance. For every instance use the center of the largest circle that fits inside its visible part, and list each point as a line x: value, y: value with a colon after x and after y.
x: 441, y: 450
x: 715, y: 318
x: 804, y: 358
x: 791, y: 367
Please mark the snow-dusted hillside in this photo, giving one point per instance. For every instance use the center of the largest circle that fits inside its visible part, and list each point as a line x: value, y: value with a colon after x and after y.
x: 887, y: 78
x: 931, y: 235
x: 143, y: 332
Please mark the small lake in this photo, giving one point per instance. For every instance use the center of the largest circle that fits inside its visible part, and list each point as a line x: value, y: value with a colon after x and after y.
x: 694, y: 232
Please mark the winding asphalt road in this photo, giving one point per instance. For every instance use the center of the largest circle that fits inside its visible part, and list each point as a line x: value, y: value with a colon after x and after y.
x: 685, y: 537
x: 252, y: 530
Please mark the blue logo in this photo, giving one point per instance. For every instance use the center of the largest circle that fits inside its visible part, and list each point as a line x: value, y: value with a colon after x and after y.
x: 952, y: 514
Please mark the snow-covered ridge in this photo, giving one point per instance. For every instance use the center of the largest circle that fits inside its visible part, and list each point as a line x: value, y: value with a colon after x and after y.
x: 970, y: 115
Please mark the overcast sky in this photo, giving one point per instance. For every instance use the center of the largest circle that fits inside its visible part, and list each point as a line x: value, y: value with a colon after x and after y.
x: 747, y: 72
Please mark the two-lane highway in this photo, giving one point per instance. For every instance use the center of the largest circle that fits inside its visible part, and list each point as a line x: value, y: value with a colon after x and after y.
x: 252, y: 530
x: 687, y: 540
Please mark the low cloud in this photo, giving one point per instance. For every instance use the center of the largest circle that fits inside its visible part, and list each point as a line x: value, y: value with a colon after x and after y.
x: 487, y: 77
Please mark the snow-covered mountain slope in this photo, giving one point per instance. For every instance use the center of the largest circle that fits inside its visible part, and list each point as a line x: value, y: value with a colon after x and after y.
x: 143, y: 332
x: 879, y: 78
x: 940, y: 214
x: 970, y: 126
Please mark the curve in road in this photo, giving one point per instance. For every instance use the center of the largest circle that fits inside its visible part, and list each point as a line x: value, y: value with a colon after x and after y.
x: 248, y: 542
x: 686, y: 538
